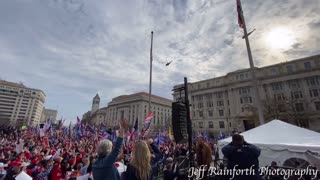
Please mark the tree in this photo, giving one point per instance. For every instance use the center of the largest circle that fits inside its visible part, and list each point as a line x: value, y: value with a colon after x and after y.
x: 273, y: 109
x: 295, y: 111
x: 298, y: 111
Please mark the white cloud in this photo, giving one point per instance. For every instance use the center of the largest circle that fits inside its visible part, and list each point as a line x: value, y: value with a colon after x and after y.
x: 74, y: 49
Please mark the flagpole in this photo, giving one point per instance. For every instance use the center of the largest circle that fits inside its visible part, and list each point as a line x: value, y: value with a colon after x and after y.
x: 254, y: 78
x: 150, y: 80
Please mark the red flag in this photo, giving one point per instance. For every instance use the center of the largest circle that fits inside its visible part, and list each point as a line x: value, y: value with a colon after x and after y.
x: 239, y: 9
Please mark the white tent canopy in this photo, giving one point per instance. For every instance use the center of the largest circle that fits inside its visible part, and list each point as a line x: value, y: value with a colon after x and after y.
x: 280, y: 141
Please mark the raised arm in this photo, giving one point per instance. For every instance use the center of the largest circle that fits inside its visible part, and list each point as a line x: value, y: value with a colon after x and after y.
x: 112, y: 157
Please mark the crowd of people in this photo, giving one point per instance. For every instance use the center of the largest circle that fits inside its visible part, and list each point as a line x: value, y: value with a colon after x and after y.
x: 57, y: 156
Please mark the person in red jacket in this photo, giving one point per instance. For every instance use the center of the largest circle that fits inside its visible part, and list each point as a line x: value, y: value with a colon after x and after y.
x: 56, y: 173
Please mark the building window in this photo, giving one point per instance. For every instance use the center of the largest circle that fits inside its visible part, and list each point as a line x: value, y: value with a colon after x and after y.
x: 313, y: 81
x: 209, y: 96
x: 281, y: 108
x: 200, y: 125
x: 241, y: 76
x: 200, y: 105
x: 221, y: 112
x: 289, y: 69
x: 277, y: 86
x: 244, y: 90
x: 247, y: 100
x: 200, y: 113
x: 221, y: 124
x: 247, y: 109
x: 296, y: 95
x: 199, y: 97
x: 317, y: 105
x: 314, y: 92
x: 299, y: 107
x: 219, y: 95
x: 219, y: 103
x: 210, y: 124
x: 279, y: 97
x: 210, y: 113
x: 209, y: 104
x: 208, y: 85
x: 274, y: 72
x: 294, y: 84
x: 307, y: 65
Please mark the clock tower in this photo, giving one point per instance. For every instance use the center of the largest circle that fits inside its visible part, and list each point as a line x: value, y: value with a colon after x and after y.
x: 95, y: 103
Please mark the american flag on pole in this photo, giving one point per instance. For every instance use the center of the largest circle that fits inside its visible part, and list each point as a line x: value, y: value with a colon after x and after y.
x: 146, y: 124
x: 134, y: 130
x: 239, y: 9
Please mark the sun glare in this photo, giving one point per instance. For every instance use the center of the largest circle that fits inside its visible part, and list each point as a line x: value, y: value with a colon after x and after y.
x: 280, y: 38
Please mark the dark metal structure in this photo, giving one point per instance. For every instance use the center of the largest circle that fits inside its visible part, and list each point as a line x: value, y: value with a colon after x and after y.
x: 185, y: 102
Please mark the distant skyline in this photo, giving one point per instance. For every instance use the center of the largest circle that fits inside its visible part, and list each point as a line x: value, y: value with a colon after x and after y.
x: 73, y: 49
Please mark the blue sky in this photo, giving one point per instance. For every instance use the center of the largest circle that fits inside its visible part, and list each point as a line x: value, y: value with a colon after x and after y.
x: 73, y: 49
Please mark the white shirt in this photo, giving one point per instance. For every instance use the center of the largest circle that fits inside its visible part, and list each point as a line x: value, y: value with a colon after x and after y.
x: 4, y: 173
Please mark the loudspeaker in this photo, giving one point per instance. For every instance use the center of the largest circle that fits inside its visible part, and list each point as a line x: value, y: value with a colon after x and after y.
x: 179, y: 122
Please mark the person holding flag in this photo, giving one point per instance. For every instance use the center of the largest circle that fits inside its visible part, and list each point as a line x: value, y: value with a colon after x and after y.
x: 146, y: 124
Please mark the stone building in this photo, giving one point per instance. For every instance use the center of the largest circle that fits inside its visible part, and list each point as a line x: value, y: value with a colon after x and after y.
x: 49, y: 114
x: 289, y: 91
x: 131, y: 107
x: 20, y: 105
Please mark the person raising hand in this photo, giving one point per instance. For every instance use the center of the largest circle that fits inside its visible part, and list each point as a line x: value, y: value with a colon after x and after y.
x: 103, y: 168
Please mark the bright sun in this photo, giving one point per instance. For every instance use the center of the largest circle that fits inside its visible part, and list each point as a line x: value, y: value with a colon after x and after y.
x: 280, y: 38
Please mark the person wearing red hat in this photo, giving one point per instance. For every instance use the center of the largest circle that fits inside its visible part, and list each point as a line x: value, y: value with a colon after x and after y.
x: 27, y: 155
x: 35, y: 161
